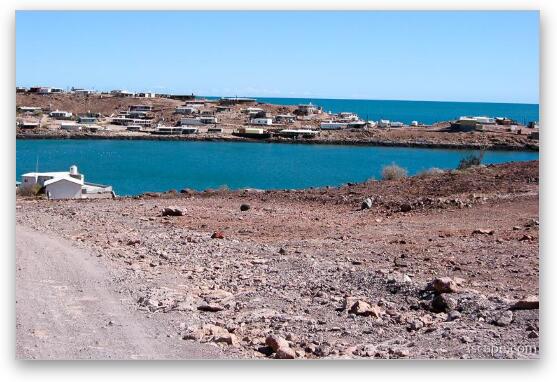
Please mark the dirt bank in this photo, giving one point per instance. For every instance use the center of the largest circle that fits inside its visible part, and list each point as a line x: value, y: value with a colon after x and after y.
x: 329, y: 278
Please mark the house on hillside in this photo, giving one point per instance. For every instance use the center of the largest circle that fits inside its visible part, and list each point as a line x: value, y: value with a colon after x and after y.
x: 122, y: 93
x: 28, y: 124
x: 285, y: 118
x: 140, y: 108
x: 29, y: 109
x: 307, y: 109
x: 86, y: 120
x: 60, y: 114
x: 186, y: 110
x: 261, y: 121
x: 65, y: 185
x: 82, y: 91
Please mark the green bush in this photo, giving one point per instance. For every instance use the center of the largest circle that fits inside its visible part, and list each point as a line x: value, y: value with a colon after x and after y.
x: 393, y: 172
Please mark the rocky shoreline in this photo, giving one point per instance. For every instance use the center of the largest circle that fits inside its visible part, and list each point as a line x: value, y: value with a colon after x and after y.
x: 415, y: 268
x: 502, y: 146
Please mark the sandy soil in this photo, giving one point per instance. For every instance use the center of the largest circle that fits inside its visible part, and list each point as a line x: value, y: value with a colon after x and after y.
x: 68, y: 306
x: 328, y: 278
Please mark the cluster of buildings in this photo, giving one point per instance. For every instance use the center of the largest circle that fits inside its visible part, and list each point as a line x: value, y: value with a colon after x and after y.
x: 466, y: 123
x: 202, y: 113
x: 30, y: 119
x: 53, y: 90
x: 135, y: 118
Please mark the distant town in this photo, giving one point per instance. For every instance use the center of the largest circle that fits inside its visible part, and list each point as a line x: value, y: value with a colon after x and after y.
x: 54, y: 112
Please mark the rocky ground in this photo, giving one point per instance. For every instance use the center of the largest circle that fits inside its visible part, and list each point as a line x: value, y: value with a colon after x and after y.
x: 437, y: 266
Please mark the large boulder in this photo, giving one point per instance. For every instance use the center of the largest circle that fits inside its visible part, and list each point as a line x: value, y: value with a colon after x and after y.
x: 280, y: 346
x: 444, y: 285
x: 443, y: 304
x: 530, y: 302
x: 367, y: 204
x: 173, y: 211
x: 504, y: 318
x: 362, y: 308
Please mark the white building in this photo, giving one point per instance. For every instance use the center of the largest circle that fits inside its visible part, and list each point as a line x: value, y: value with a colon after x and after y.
x: 29, y: 109
x: 83, y: 91
x: 484, y: 120
x: 65, y: 185
x: 186, y: 110
x: 197, y: 121
x: 208, y: 120
x: 71, y: 127
x: 87, y: 119
x: 146, y: 108
x: 167, y: 130
x: 285, y: 118
x: 261, y: 121
x: 122, y: 93
x: 190, y: 122
x: 346, y: 116
x: 60, y: 114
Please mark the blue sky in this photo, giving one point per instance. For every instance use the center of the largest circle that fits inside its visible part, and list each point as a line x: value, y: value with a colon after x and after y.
x: 444, y: 56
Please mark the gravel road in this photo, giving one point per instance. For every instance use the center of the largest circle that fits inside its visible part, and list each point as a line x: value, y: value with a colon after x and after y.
x: 68, y: 307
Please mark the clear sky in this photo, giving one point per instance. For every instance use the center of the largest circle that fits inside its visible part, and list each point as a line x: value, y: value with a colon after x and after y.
x: 445, y: 56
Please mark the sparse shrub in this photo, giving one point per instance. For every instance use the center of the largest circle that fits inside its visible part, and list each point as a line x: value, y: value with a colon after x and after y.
x: 30, y: 191
x: 431, y: 171
x: 471, y: 160
x: 392, y: 172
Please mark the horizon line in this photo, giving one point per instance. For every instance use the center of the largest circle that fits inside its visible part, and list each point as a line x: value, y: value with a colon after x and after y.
x: 317, y: 97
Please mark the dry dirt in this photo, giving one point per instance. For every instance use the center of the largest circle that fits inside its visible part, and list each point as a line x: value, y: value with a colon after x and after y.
x: 330, y: 279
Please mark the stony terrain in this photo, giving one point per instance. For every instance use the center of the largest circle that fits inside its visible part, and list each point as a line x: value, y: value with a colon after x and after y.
x: 436, y: 266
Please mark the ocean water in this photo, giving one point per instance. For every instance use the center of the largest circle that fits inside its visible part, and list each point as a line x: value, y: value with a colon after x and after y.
x: 133, y: 167
x: 427, y: 112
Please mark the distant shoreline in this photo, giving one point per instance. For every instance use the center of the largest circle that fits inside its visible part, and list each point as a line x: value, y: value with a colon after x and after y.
x: 311, y: 141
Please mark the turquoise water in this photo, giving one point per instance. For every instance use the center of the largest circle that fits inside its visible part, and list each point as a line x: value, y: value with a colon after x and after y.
x: 133, y: 167
x: 423, y: 111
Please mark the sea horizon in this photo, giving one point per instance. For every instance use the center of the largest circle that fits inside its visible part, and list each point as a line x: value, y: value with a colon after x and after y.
x: 363, y: 99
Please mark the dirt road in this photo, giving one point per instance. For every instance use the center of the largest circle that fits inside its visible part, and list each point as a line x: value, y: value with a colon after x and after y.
x: 68, y: 307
